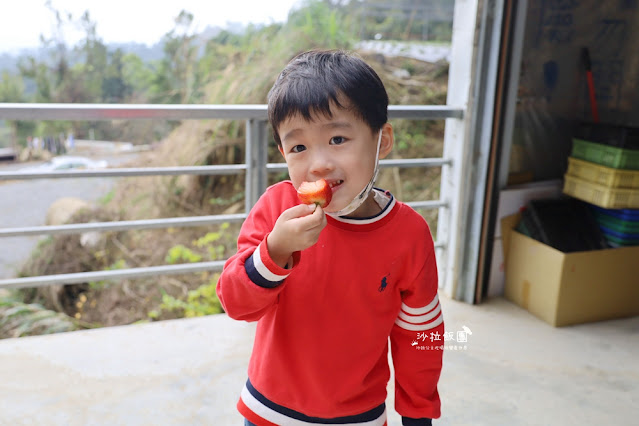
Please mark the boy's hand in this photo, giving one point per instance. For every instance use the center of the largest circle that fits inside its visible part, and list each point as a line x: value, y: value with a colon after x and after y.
x: 296, y: 229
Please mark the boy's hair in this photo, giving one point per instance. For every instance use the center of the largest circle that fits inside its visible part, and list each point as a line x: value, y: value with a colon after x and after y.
x: 313, y: 80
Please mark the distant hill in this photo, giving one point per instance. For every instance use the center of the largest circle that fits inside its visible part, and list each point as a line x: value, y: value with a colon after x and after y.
x: 146, y: 53
x: 9, y: 60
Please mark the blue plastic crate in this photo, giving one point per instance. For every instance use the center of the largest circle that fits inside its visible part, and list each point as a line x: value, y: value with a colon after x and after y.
x: 625, y: 214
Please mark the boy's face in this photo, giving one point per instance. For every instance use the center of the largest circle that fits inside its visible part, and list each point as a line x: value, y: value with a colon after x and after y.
x: 340, y: 149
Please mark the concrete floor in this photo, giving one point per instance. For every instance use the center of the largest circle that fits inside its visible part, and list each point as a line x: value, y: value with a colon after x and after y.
x: 514, y: 370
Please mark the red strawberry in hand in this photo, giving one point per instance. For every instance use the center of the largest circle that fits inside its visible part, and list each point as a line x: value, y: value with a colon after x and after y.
x: 318, y: 192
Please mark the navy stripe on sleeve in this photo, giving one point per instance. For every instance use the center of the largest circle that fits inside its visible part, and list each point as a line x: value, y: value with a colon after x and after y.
x: 256, y: 277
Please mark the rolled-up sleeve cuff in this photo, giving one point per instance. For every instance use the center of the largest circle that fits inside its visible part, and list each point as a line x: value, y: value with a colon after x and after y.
x: 263, y: 271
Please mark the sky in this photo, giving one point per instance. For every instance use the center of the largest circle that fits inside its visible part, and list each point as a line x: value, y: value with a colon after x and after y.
x: 142, y: 21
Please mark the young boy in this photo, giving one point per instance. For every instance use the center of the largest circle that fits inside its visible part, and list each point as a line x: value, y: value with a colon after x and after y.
x: 330, y: 286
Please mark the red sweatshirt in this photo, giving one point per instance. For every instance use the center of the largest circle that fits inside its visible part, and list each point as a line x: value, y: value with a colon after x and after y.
x: 321, y: 344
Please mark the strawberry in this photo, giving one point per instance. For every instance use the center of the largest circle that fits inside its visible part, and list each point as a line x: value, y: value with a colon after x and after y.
x: 318, y: 192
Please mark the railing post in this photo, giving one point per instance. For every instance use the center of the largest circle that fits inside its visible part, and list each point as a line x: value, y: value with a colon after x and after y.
x: 256, y: 160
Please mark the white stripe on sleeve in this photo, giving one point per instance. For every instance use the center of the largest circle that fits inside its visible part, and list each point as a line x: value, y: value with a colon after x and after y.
x: 262, y: 269
x: 422, y: 318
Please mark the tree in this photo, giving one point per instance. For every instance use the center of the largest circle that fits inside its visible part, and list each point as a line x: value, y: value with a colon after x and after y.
x: 91, y: 71
x: 138, y: 76
x: 323, y: 23
x: 85, y: 74
x: 178, y: 79
x: 12, y: 90
x: 114, y: 86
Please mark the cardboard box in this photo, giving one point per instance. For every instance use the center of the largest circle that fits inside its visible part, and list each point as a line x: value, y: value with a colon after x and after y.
x: 569, y: 288
x: 511, y: 200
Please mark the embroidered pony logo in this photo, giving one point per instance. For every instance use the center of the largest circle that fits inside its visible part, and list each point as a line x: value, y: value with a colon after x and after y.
x: 383, y: 285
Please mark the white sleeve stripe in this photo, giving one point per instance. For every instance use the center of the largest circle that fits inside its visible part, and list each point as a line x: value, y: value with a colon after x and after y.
x: 423, y: 309
x: 420, y: 327
x: 262, y: 269
x: 421, y: 318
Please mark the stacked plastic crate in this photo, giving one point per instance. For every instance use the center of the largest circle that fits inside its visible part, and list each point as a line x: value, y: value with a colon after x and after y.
x: 603, y: 170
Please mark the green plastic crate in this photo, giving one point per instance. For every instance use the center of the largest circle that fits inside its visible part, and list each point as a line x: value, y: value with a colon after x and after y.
x: 609, y: 156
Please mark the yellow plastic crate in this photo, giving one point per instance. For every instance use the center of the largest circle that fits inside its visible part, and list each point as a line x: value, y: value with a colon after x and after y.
x: 600, y: 195
x: 607, y: 176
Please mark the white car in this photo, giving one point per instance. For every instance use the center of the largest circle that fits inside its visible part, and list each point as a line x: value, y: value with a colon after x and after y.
x: 66, y: 163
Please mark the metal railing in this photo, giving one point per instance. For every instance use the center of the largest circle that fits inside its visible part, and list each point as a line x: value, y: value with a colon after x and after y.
x: 255, y: 168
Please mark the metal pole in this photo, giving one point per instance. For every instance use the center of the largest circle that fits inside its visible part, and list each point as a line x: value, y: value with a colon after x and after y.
x: 118, y: 274
x: 256, y: 160
x: 124, y: 225
x: 250, y: 167
x: 262, y: 158
x: 217, y: 170
x: 108, y: 112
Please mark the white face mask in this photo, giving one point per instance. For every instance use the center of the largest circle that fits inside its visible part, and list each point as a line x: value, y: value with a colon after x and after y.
x: 361, y: 197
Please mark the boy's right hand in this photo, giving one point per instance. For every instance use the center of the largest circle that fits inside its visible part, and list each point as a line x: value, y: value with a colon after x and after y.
x: 296, y: 229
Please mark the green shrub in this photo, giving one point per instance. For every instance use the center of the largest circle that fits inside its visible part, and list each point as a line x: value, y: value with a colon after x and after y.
x: 199, y: 302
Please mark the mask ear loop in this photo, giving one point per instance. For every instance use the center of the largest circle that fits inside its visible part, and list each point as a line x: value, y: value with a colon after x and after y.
x: 361, y: 197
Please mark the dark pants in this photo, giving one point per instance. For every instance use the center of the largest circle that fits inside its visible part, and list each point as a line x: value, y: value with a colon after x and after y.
x: 247, y: 423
